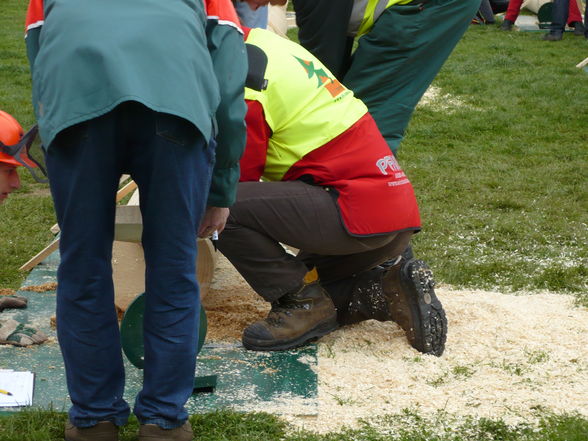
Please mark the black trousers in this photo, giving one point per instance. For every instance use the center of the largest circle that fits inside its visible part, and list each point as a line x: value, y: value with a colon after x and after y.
x: 322, y: 30
x: 269, y: 214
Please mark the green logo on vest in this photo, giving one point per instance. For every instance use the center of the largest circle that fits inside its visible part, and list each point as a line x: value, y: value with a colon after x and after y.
x: 331, y: 84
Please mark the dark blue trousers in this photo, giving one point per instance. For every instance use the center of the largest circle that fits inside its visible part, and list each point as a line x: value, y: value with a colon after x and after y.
x: 171, y: 163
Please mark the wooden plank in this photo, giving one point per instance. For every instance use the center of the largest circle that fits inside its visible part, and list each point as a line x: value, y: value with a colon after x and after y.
x: 41, y: 255
x: 128, y: 225
x: 583, y: 63
x: 125, y: 190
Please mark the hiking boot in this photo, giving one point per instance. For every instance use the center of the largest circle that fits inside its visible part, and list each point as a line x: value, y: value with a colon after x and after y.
x: 408, y: 286
x: 553, y: 36
x: 579, y: 28
x: 294, y: 320
x: 103, y: 431
x: 152, y: 432
x: 506, y: 25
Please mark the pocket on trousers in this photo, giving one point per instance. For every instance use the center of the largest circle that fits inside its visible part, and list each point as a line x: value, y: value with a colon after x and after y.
x: 399, y: 26
x: 409, y: 9
x: 71, y: 137
x: 175, y: 129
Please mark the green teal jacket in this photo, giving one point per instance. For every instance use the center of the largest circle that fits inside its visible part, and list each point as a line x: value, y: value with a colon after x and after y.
x: 87, y: 57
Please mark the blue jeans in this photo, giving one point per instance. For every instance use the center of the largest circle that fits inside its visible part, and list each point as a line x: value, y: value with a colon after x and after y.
x: 559, y: 16
x: 171, y: 164
x: 251, y: 18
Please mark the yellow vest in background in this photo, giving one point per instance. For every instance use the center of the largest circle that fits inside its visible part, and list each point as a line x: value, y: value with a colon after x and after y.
x: 373, y: 9
x: 304, y: 104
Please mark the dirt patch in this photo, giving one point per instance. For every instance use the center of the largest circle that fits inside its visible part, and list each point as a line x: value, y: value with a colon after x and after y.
x: 506, y: 357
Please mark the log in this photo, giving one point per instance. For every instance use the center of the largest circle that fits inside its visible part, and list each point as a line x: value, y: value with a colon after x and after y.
x: 128, y: 264
x: 128, y: 270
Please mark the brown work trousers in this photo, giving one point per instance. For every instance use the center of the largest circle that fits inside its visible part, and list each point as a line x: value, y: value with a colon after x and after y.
x: 306, y: 217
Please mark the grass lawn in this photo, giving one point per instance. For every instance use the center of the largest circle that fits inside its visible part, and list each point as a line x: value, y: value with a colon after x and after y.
x: 499, y: 162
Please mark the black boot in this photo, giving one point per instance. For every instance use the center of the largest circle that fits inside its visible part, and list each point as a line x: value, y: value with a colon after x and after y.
x: 294, y: 320
x: 553, y: 36
x: 506, y: 25
x: 579, y: 28
x: 412, y: 303
x: 402, y: 292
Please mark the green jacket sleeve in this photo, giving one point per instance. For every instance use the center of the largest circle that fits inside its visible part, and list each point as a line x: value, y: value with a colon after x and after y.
x: 32, y: 45
x: 227, y: 50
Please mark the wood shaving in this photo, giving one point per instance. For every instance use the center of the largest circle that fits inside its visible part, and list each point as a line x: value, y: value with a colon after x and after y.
x: 44, y: 287
x: 506, y: 356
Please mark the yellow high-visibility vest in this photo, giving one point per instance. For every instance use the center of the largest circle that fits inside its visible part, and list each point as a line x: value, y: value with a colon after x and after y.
x: 373, y: 9
x: 304, y: 104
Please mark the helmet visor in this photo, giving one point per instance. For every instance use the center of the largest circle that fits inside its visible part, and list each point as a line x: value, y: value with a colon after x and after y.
x: 29, y: 153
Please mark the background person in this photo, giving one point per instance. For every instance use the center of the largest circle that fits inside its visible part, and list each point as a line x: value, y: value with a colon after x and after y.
x: 110, y: 97
x: 255, y: 13
x: 11, y: 133
x: 564, y: 11
x: 401, y: 48
x: 332, y: 189
x: 575, y: 19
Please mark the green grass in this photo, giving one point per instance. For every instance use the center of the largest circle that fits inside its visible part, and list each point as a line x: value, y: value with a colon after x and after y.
x: 225, y: 425
x: 501, y: 179
x: 502, y: 185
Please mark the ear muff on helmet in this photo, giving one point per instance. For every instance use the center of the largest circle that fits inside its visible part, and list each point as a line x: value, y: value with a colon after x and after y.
x: 16, y: 147
x: 257, y: 60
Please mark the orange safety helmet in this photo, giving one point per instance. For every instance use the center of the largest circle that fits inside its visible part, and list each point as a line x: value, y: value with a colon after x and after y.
x: 10, y: 133
x: 16, y: 147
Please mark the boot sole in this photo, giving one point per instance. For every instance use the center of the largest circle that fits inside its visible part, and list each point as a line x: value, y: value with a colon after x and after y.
x: 427, y: 312
x: 315, y: 333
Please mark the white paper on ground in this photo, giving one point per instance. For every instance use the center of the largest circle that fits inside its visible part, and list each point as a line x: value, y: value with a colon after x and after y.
x: 19, y: 384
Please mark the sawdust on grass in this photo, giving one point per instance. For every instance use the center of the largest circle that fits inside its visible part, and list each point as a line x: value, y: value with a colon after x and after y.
x: 506, y: 357
x: 43, y: 287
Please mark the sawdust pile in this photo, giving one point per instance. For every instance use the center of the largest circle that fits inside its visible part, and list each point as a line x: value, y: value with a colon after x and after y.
x: 506, y: 357
x: 43, y: 287
x: 230, y: 304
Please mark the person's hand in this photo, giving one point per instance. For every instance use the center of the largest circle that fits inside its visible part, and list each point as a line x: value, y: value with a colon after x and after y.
x: 214, y: 219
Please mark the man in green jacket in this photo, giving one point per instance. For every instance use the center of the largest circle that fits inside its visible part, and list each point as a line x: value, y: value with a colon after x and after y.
x: 402, y: 45
x: 130, y: 87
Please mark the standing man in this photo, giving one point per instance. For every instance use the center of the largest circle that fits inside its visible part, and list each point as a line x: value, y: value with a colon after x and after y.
x: 130, y: 87
x: 332, y: 189
x: 402, y: 45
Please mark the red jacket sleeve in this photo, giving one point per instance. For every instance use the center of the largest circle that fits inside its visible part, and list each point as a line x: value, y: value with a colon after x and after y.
x: 258, y: 135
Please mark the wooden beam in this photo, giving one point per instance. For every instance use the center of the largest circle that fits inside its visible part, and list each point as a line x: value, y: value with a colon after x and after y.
x: 583, y: 63
x: 119, y: 195
x: 41, y: 255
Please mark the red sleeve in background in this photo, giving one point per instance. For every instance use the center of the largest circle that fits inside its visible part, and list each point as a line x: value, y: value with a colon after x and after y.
x: 224, y: 10
x: 35, y: 14
x: 258, y: 135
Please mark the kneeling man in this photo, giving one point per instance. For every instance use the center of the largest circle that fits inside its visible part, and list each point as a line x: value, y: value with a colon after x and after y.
x: 318, y: 176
